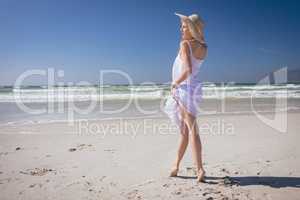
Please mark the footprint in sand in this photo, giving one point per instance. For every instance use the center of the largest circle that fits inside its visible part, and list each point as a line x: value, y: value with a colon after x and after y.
x: 72, y: 149
x: 210, y: 191
x: 133, y: 194
x: 177, y: 192
x: 225, y: 171
x: 81, y: 147
x: 37, y: 171
x: 33, y: 185
x: 84, y: 146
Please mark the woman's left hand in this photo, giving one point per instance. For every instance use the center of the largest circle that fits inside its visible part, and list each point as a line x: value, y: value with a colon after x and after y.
x: 173, y: 88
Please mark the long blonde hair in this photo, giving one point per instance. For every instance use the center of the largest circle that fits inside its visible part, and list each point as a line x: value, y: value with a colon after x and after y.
x: 196, y: 25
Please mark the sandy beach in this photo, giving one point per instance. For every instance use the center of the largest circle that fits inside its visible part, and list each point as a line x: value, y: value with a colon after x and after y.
x: 90, y: 96
x: 102, y: 159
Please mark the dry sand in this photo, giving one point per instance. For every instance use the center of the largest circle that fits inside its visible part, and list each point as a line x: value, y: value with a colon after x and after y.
x: 56, y: 161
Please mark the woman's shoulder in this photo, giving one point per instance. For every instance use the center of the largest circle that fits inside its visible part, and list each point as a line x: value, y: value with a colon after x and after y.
x: 184, y: 43
x: 194, y: 43
x: 185, y: 46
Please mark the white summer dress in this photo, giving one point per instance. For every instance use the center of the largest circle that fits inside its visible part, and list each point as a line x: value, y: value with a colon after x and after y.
x: 188, y: 93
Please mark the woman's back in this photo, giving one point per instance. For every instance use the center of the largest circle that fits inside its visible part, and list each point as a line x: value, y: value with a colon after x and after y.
x: 196, y: 63
x: 198, y: 49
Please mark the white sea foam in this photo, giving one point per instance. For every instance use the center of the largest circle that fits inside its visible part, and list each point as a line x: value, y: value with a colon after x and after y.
x: 123, y: 92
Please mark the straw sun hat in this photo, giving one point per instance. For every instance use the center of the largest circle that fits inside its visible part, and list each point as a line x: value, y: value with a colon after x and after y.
x: 195, y: 25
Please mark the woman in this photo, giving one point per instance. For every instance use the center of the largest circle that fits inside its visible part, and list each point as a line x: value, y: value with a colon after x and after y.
x: 186, y: 90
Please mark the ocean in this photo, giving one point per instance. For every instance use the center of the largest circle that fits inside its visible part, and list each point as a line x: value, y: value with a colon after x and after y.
x: 42, y: 104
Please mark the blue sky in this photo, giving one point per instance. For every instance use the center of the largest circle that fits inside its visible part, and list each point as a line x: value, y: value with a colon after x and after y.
x: 246, y: 39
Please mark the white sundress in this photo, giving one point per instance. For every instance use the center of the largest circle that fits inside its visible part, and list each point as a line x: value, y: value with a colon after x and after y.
x: 188, y: 93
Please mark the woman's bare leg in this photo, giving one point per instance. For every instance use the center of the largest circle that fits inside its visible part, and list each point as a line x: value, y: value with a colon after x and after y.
x: 196, y: 144
x: 184, y: 141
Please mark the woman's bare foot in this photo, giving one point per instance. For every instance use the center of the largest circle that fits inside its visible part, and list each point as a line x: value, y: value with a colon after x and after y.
x: 174, y: 172
x: 200, y: 176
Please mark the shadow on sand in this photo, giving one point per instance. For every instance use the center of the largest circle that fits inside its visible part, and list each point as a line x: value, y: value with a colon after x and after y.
x: 272, y: 181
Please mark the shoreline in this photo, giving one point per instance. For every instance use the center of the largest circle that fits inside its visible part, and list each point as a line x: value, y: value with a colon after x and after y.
x: 13, y: 115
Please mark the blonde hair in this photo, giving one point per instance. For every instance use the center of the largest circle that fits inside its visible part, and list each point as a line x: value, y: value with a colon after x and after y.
x: 196, y: 25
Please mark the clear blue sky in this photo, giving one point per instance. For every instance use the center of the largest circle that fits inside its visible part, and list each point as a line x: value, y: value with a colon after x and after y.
x: 246, y: 39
